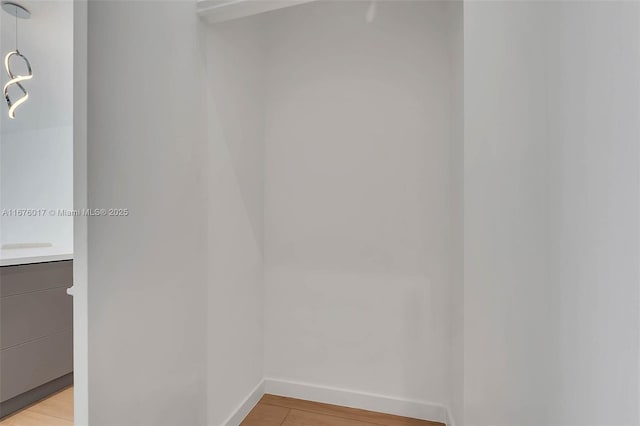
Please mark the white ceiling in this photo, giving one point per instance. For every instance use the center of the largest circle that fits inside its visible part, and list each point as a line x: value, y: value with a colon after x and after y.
x: 47, y: 40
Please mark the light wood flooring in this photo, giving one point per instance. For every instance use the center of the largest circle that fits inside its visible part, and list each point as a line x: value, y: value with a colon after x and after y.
x: 55, y: 410
x: 280, y: 411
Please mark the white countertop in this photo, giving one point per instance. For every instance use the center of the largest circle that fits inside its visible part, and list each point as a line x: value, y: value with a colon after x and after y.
x: 24, y: 256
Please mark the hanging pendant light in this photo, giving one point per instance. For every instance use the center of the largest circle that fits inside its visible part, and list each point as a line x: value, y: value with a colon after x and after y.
x: 18, y: 11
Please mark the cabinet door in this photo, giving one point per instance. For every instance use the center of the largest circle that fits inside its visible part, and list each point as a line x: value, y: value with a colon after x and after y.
x: 36, y: 325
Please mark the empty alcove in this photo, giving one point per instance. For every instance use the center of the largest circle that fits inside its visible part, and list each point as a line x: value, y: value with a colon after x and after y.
x: 313, y: 202
x: 334, y: 143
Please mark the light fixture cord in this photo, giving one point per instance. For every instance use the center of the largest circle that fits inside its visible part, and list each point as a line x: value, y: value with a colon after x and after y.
x: 16, y: 29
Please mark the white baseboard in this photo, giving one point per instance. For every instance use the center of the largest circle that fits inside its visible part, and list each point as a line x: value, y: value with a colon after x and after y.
x: 365, y: 401
x: 246, y: 406
x: 450, y: 419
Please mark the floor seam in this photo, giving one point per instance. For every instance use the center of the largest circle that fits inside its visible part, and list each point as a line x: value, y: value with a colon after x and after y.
x: 285, y: 417
x: 338, y: 417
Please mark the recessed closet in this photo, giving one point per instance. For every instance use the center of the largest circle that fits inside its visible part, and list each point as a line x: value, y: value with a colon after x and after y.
x: 423, y: 208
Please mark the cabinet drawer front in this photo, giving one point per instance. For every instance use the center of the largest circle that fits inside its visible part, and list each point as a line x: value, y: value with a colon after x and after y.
x: 21, y: 279
x: 29, y: 316
x: 27, y: 366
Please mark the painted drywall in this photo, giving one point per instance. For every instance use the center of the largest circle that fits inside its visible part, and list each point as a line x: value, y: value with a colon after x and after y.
x: 594, y: 128
x: 360, y: 207
x: 36, y: 172
x: 80, y: 201
x: 455, y: 403
x: 235, y: 232
x: 358, y: 197
x: 146, y: 136
x: 551, y: 213
x: 507, y: 293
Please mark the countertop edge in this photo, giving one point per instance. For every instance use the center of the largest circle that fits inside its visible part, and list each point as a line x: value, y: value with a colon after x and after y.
x: 35, y: 259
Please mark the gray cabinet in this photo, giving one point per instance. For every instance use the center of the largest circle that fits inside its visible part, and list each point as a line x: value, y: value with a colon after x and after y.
x: 36, y: 332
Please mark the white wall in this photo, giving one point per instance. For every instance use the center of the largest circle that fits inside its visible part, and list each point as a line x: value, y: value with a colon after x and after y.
x: 36, y: 172
x: 594, y: 127
x: 357, y: 125
x: 358, y: 197
x: 456, y: 300
x: 551, y: 213
x: 147, y: 272
x: 235, y: 236
x: 80, y: 201
x: 508, y: 319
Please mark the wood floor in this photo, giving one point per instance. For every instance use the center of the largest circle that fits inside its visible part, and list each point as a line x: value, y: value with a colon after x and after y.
x: 280, y: 411
x: 56, y: 410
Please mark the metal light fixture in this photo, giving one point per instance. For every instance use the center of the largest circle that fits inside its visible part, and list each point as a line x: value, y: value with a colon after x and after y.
x: 18, y: 11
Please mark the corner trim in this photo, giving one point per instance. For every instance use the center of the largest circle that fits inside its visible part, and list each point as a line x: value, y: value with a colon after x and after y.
x: 423, y: 410
x: 246, y: 406
x: 450, y: 419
